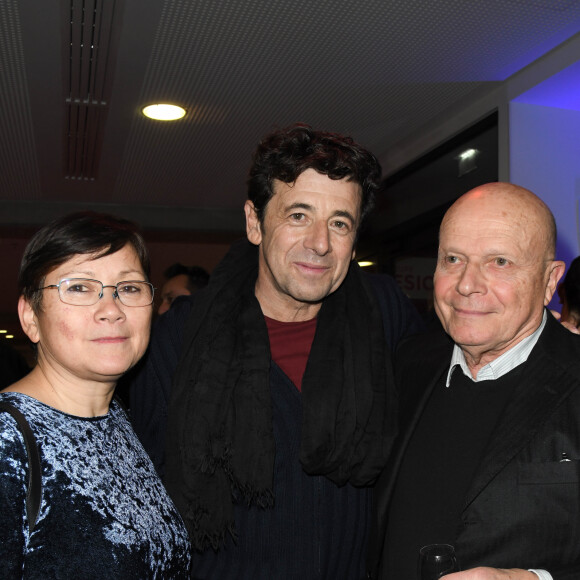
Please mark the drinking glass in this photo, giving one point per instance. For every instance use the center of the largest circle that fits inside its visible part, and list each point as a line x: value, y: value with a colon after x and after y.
x: 436, y: 560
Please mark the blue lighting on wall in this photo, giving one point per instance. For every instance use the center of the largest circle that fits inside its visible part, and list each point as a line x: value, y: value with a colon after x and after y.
x: 561, y: 90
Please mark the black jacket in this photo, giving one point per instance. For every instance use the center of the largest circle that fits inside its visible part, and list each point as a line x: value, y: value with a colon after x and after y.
x: 523, y: 506
x: 316, y: 530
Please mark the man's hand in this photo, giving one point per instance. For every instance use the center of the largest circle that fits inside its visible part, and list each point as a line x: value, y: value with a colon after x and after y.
x: 491, y: 574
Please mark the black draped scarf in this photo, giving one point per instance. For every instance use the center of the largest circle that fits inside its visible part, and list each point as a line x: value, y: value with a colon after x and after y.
x: 220, y: 444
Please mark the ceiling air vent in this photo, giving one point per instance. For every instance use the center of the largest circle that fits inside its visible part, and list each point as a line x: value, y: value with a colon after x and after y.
x: 91, y: 38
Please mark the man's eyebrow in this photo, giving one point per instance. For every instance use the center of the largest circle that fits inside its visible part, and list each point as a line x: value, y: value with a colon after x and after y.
x: 338, y: 213
x: 345, y: 214
x: 298, y: 205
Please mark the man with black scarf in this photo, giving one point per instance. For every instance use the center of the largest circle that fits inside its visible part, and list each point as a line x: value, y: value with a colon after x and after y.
x: 281, y: 411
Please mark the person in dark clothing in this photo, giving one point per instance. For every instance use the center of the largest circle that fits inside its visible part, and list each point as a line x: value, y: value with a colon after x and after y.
x: 569, y: 293
x: 12, y: 365
x: 267, y: 398
x: 488, y: 454
x: 88, y: 503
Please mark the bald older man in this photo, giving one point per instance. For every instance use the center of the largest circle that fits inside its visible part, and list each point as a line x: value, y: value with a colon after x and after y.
x: 489, y: 455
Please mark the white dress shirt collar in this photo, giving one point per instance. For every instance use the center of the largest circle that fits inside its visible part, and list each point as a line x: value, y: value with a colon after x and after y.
x: 501, y: 365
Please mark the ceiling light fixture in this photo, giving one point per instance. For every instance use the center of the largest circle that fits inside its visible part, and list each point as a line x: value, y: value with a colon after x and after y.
x: 163, y: 112
x: 365, y: 263
x: 467, y: 161
x: 468, y: 154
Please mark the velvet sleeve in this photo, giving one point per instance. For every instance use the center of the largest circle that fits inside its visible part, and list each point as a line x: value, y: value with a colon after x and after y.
x: 13, y: 484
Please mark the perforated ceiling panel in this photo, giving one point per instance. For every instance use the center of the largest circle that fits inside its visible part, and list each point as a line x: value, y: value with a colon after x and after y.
x: 90, y: 38
x: 18, y: 163
x: 377, y: 69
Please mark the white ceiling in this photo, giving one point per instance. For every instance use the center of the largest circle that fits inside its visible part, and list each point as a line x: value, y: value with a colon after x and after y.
x: 376, y: 69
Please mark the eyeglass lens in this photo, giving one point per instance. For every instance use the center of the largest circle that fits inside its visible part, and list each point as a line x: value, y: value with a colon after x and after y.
x: 85, y: 292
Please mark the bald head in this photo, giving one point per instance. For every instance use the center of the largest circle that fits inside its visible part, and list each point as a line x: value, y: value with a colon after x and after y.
x: 514, y: 203
x: 495, y: 269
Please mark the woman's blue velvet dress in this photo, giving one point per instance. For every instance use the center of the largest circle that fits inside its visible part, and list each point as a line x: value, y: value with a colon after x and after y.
x: 104, y: 513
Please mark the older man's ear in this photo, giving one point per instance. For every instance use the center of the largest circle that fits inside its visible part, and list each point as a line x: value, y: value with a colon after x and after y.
x: 557, y: 268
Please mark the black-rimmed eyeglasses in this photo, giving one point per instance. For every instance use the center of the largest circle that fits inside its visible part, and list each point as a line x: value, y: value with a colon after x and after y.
x: 86, y: 292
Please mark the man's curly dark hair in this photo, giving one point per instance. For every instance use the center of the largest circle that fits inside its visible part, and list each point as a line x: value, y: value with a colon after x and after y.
x: 288, y: 152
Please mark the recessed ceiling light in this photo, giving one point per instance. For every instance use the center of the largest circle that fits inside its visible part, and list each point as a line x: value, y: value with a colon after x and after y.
x: 365, y: 263
x: 9, y: 336
x: 3, y: 331
x: 163, y: 112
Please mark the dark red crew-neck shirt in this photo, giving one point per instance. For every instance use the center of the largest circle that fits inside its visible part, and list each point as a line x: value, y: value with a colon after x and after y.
x: 290, y: 344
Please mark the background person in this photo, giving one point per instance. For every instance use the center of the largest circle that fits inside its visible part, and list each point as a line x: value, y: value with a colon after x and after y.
x: 489, y: 450
x: 281, y: 412
x: 569, y: 293
x: 86, y: 304
x: 12, y: 365
x: 181, y: 281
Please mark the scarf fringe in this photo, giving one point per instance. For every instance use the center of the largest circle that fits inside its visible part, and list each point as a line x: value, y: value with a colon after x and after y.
x: 201, y: 539
x: 243, y: 492
x: 263, y: 498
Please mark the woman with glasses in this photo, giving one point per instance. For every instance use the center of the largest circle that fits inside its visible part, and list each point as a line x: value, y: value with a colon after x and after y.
x: 86, y: 304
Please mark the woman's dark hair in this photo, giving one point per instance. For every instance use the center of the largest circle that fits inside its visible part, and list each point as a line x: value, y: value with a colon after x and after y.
x: 84, y: 232
x: 288, y: 152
